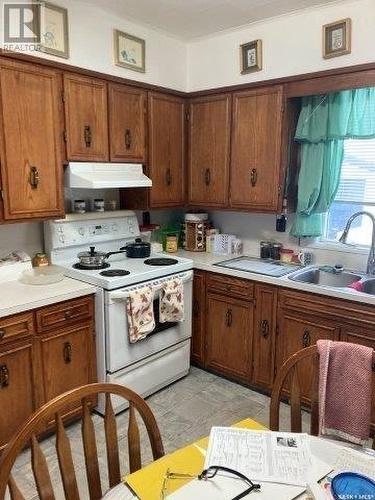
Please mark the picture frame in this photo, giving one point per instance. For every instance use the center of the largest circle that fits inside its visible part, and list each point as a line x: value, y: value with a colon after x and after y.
x: 52, y: 27
x: 337, y: 38
x: 251, y: 57
x: 129, y: 51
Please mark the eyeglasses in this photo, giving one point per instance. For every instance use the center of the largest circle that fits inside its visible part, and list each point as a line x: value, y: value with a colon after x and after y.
x: 206, y: 475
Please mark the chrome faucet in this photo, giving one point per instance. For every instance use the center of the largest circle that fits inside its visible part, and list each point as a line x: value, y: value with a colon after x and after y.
x: 371, y: 255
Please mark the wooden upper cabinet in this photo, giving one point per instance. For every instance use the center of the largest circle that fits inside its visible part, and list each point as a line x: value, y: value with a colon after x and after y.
x: 166, y: 149
x: 127, y: 123
x: 256, y: 173
x: 86, y: 118
x: 209, y: 143
x: 31, y: 141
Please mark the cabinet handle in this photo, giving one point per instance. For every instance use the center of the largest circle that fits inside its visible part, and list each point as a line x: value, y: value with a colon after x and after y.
x: 67, y: 352
x: 229, y: 317
x: 306, y: 339
x: 128, y: 138
x: 34, y: 177
x: 68, y: 314
x: 168, y: 177
x: 195, y: 307
x: 2, y: 334
x: 207, y: 177
x: 87, y: 135
x: 265, y: 328
x: 253, y: 176
x: 4, y: 376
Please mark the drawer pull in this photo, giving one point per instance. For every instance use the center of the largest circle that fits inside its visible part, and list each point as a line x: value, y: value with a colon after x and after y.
x: 195, y: 308
x: 207, y: 177
x: 229, y: 317
x: 4, y: 376
x: 2, y: 334
x: 306, y: 339
x: 87, y: 136
x: 68, y: 314
x: 67, y: 352
x: 128, y: 138
x: 265, y: 328
x: 168, y: 177
x: 253, y: 177
x: 34, y: 177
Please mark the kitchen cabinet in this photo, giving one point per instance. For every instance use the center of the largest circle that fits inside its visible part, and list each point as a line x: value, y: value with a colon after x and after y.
x: 209, y: 151
x: 198, y: 327
x: 264, y: 336
x: 127, y: 123
x: 229, y: 333
x: 166, y: 163
x: 44, y: 353
x: 31, y: 141
x: 86, y: 118
x: 256, y: 174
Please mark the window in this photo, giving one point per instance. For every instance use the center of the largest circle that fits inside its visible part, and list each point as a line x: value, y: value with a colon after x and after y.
x: 356, y: 192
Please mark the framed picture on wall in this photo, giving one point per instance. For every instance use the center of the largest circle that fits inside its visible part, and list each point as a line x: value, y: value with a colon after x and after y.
x: 251, y: 56
x: 52, y: 26
x: 130, y: 51
x: 337, y: 38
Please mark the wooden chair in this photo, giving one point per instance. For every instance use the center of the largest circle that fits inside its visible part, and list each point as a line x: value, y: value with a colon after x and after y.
x: 53, y: 410
x: 290, y: 370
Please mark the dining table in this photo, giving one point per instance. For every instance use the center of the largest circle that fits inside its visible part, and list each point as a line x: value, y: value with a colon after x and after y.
x: 147, y: 483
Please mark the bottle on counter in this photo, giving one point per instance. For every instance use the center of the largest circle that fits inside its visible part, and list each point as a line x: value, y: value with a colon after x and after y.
x: 40, y: 260
x: 275, y: 251
x: 171, y: 243
x: 265, y: 249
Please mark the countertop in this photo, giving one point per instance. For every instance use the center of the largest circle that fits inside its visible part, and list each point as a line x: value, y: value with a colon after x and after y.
x: 206, y: 262
x: 17, y: 297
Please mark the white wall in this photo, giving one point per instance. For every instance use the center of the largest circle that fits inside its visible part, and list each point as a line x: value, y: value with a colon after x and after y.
x: 291, y: 45
x: 27, y: 236
x: 91, y: 46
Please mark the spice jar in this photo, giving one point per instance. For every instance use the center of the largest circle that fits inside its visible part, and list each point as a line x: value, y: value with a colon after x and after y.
x: 286, y: 255
x: 275, y: 251
x: 99, y: 205
x: 79, y: 206
x: 171, y: 243
x: 40, y: 260
x: 265, y: 249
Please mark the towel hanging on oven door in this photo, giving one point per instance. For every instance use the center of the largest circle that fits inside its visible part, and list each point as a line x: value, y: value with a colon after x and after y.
x: 140, y: 313
x: 171, y: 305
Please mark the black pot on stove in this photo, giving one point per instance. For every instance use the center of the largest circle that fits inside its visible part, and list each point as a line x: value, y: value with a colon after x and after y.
x: 137, y: 250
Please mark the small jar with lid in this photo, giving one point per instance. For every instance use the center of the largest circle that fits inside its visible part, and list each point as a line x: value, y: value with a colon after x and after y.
x: 40, y: 260
x: 265, y: 249
x: 286, y: 255
x: 275, y: 251
x: 171, y: 243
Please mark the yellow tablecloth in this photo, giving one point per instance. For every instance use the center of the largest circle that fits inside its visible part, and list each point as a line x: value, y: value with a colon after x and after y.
x: 147, y: 482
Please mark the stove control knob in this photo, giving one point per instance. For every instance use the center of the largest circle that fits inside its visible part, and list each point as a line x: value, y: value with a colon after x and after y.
x: 62, y: 239
x: 81, y: 231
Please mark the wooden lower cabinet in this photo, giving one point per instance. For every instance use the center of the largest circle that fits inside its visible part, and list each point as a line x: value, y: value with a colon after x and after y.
x: 17, y: 394
x: 37, y: 365
x: 199, y: 307
x: 229, y: 331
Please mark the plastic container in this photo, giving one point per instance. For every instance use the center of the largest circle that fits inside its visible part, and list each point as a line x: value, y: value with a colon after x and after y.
x: 170, y: 231
x: 45, y: 275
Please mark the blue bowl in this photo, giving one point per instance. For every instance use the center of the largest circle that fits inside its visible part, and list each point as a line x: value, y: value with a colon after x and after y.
x: 352, y: 485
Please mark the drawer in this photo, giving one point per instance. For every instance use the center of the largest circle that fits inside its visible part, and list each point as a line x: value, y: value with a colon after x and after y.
x: 235, y: 287
x: 16, y: 326
x: 64, y: 314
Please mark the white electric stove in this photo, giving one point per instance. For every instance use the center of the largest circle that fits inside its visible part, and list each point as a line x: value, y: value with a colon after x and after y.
x: 164, y: 355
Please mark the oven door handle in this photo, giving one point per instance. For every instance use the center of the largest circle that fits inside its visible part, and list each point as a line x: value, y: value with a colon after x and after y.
x: 125, y: 294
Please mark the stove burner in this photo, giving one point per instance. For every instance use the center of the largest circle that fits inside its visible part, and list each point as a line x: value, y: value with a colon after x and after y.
x: 160, y: 261
x: 90, y: 268
x: 115, y: 272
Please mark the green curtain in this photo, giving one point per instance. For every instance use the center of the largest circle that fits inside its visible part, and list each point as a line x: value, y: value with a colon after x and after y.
x: 324, y: 123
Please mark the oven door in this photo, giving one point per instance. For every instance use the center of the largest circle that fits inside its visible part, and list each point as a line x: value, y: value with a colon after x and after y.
x: 120, y: 353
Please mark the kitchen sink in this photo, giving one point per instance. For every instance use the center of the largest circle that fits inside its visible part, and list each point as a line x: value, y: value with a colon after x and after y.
x: 318, y: 276
x: 369, y: 286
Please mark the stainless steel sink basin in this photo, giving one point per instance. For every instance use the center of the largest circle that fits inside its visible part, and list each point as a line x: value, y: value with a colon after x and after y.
x: 369, y: 286
x: 318, y: 277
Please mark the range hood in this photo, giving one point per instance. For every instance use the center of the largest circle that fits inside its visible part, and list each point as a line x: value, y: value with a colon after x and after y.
x: 105, y: 175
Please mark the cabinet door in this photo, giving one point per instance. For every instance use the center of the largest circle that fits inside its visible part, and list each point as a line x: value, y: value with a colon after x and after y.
x: 359, y: 335
x: 297, y: 331
x: 166, y: 150
x: 17, y: 398
x: 31, y: 126
x: 229, y: 336
x: 264, y: 336
x: 209, y: 143
x: 67, y: 360
x: 86, y: 118
x: 127, y: 130
x: 256, y: 149
x: 198, y: 337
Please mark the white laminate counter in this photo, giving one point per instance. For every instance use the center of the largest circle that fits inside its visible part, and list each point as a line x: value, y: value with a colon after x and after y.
x: 207, y: 261
x: 16, y: 297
